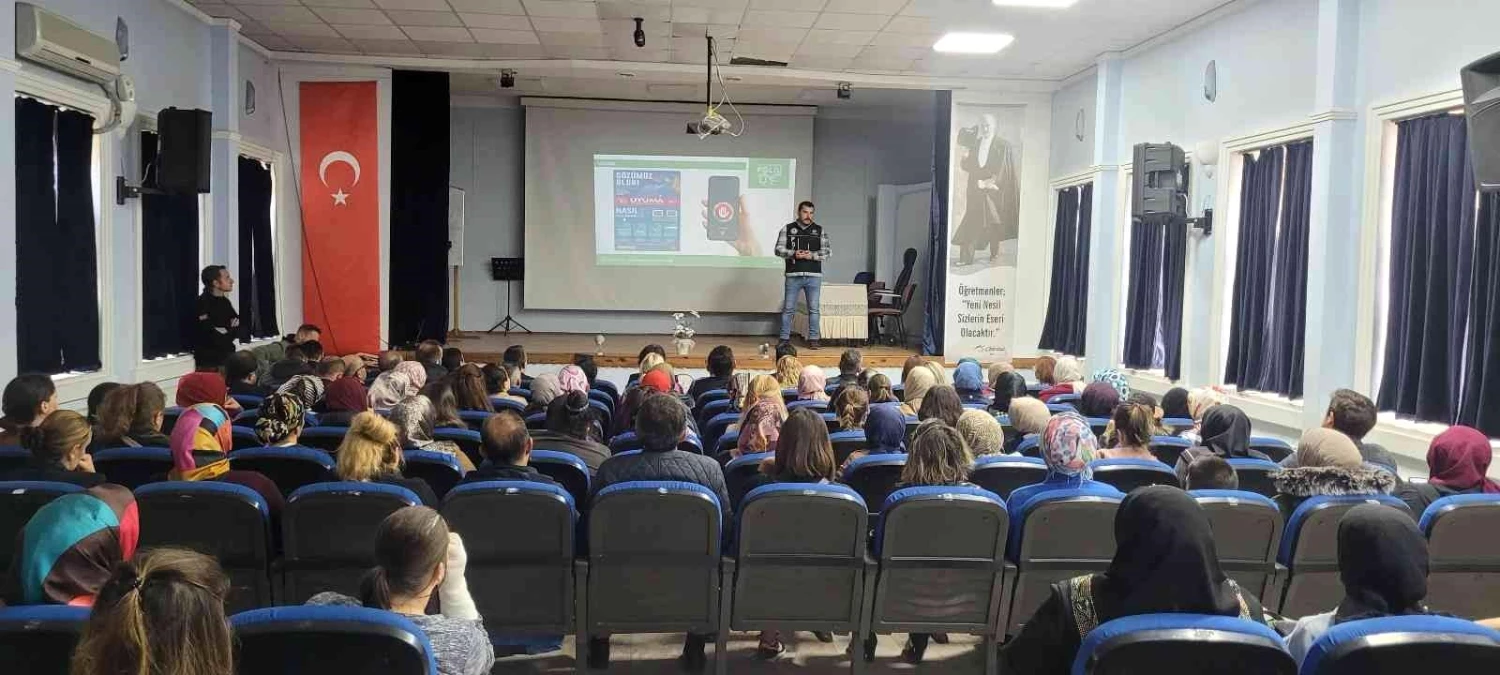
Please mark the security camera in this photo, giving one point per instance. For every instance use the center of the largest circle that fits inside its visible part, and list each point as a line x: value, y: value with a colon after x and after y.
x: 844, y: 90
x: 507, y: 79
x: 640, y: 33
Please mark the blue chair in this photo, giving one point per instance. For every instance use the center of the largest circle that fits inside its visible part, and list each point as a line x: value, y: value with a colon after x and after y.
x: 1035, y: 388
x: 330, y: 639
x: 707, y: 411
x: 624, y: 442
x: 523, y: 582
x: 1127, y: 474
x: 19, y: 501
x: 711, y: 396
x: 39, y: 639
x: 1098, y: 425
x: 1247, y: 532
x: 1404, y: 644
x: 536, y: 421
x: 440, y: 470
x: 874, y: 477
x: 1003, y: 419
x: 1056, y: 535
x: 567, y: 469
x: 1256, y: 475
x: 1002, y: 474
x: 474, y: 418
x: 1177, y: 425
x: 1190, y: 643
x: 1309, y: 551
x: 508, y: 404
x: 846, y: 443
x: 1464, y: 555
x: 605, y: 400
x: 1059, y: 408
x: 169, y: 418
x: 243, y: 437
x: 739, y: 471
x: 789, y: 395
x: 1030, y: 445
x: 1274, y: 448
x: 246, y: 418
x: 727, y: 441
x: 604, y: 410
x: 327, y: 439
x: 899, y: 390
x: 818, y: 406
x: 290, y: 468
x: 1169, y: 448
x: 467, y: 439
x: 609, y: 388
x: 327, y: 535
x: 714, y: 428
x: 1066, y: 398
x: 230, y: 522
x: 13, y: 457
x: 831, y: 420
x: 523, y: 393
x: 248, y: 401
x: 133, y: 467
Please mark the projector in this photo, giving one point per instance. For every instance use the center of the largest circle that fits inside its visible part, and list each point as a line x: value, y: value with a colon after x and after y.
x: 712, y: 124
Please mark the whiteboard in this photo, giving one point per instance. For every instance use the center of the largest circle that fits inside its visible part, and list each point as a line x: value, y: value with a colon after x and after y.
x: 455, y: 227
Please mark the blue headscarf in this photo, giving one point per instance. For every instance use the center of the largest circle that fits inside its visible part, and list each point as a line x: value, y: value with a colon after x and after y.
x: 885, y: 430
x: 968, y: 378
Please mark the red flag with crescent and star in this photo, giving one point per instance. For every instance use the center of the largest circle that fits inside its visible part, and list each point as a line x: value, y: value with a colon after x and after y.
x: 341, y: 214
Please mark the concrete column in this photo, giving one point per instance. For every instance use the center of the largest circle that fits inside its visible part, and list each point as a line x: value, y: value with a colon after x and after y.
x: 1104, y: 265
x: 224, y: 76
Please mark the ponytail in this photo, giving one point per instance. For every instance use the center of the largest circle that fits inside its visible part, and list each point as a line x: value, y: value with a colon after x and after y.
x: 163, y: 612
x: 375, y: 589
x: 32, y: 439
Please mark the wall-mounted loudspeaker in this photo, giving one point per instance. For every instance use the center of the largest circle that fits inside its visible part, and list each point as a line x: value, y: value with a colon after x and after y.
x: 1481, y: 80
x: 184, y: 151
x: 1159, y: 189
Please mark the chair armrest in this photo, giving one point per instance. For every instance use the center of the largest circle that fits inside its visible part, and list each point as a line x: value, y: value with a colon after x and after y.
x: 876, y: 286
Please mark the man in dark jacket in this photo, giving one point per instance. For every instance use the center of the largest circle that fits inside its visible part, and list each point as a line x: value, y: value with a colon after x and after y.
x: 507, y: 451
x: 216, y: 324
x: 430, y: 355
x: 720, y: 372
x: 574, y: 427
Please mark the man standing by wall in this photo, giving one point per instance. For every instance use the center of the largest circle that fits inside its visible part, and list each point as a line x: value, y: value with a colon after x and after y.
x: 216, y: 321
x: 804, y: 245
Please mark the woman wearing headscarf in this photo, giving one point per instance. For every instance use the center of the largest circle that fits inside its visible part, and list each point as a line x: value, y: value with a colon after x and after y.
x: 1164, y: 562
x: 1457, y: 461
x: 1174, y: 404
x: 544, y: 388
x: 911, y: 362
x: 1328, y: 463
x: 1383, y: 564
x: 968, y: 380
x: 1226, y: 432
x: 205, y: 386
x: 572, y: 378
x: 1008, y: 386
x: 1068, y: 445
x: 415, y: 419
x: 281, y: 420
x: 1069, y: 377
x: 199, y: 440
x: 1199, y: 402
x: 760, y: 429
x: 309, y: 390
x: 811, y: 384
x: 981, y: 432
x: 66, y: 551
x: 1114, y: 378
x: 916, y: 385
x: 397, y: 384
x: 1028, y: 416
x: 345, y: 398
x: 1098, y: 400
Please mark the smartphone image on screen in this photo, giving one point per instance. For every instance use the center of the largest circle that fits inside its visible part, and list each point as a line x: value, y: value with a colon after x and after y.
x: 723, y: 208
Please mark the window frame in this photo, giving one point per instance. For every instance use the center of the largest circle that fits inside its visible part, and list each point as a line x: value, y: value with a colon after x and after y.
x: 1120, y: 299
x: 273, y: 159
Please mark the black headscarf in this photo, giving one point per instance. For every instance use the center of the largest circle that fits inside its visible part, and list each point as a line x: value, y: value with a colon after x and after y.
x: 1175, y: 404
x: 1008, y: 385
x: 1165, y: 560
x: 1226, y: 431
x: 1382, y: 562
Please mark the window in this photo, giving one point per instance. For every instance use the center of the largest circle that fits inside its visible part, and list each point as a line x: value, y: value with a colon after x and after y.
x: 1067, y: 303
x: 57, y: 266
x: 1154, y: 285
x: 169, y: 263
x: 257, y: 236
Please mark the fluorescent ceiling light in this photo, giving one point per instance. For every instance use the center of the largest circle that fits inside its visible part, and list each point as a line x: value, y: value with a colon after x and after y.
x: 1049, y: 4
x: 972, y: 43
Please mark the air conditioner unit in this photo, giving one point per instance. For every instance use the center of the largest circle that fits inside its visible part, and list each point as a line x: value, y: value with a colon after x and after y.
x: 60, y: 44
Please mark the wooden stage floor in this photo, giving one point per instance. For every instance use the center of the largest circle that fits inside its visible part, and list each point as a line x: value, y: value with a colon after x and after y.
x: 621, y: 350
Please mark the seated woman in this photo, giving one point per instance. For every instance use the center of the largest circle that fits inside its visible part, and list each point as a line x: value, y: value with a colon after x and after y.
x: 572, y: 378
x: 28, y: 399
x: 282, y: 417
x: 1067, y: 446
x: 202, y: 434
x: 1174, y: 404
x: 1457, y: 461
x: 881, y: 393
x: 1068, y: 376
x: 309, y: 390
x: 1131, y: 433
x: 453, y: 358
x: 65, y: 552
x: 498, y: 383
x: 544, y: 388
x: 941, y: 403
x: 1008, y: 386
x: 1225, y: 432
x: 811, y: 384
x: 444, y: 404
x: 415, y: 419
x: 1328, y: 463
x: 416, y: 557
x: 968, y: 381
x: 131, y: 416
x: 1199, y: 402
x: 761, y: 427
x: 981, y: 432
x: 402, y: 381
x: 1164, y: 561
x: 885, y: 433
x: 1027, y: 416
x: 205, y: 386
x: 59, y: 451
x: 1098, y: 400
x: 370, y: 453
x: 915, y: 386
x: 345, y: 399
x: 468, y: 389
x: 788, y: 371
x: 851, y: 406
x: 159, y: 613
x: 1383, y: 565
x: 574, y: 427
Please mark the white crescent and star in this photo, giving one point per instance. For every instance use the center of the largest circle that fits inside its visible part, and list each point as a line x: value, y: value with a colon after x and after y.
x: 340, y: 198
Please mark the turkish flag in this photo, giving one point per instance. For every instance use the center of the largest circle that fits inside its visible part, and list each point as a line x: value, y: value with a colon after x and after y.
x: 341, y: 214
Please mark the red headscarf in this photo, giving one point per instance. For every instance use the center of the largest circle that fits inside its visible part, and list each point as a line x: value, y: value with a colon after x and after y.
x: 656, y: 381
x: 202, y: 387
x: 346, y: 394
x: 1458, y: 460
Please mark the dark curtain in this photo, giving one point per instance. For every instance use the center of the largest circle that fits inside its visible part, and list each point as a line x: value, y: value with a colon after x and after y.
x: 419, y: 206
x: 1077, y: 310
x: 257, y: 271
x: 1260, y: 202
x: 169, y: 264
x: 1143, y: 299
x: 1174, y: 271
x: 37, y: 344
x: 1064, y: 249
x: 76, y: 264
x: 1481, y: 376
x: 1432, y: 246
x: 1286, y: 334
x: 937, y: 238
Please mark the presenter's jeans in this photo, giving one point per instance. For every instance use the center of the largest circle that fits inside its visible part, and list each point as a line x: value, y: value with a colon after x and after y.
x: 813, y: 288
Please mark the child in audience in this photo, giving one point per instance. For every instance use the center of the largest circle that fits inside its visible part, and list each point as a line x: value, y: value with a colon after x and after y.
x: 882, y: 393
x: 981, y: 432
x: 162, y: 613
x: 968, y: 381
x: 28, y: 399
x: 507, y: 451
x: 370, y: 453
x: 469, y: 389
x: 788, y: 371
x: 812, y: 384
x: 851, y: 365
x: 65, y: 552
x: 1130, y: 431
x: 1457, y: 461
x: 1328, y: 463
x: 941, y: 403
x: 851, y: 406
x: 59, y: 451
x: 415, y: 419
x: 131, y: 416
x: 416, y: 557
x: 1212, y: 472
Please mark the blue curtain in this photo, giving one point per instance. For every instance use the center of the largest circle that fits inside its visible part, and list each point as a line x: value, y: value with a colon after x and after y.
x: 1143, y: 297
x: 937, y: 234
x: 1481, y: 391
x: 1260, y: 202
x: 1174, y: 281
x: 1286, y: 336
x: 169, y: 264
x: 1067, y: 306
x: 257, y: 273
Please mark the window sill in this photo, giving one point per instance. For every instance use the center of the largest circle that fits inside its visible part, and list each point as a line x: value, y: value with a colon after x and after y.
x: 1410, y: 439
x: 163, y: 369
x: 75, y: 387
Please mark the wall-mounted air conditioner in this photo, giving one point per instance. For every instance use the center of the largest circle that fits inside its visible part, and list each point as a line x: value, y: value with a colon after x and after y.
x: 60, y: 44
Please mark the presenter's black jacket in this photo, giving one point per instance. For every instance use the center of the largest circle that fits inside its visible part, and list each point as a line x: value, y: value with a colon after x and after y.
x: 786, y: 248
x: 214, y: 313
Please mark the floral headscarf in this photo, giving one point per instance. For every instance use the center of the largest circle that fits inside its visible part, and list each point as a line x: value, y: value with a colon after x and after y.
x: 572, y: 378
x: 1068, y: 445
x: 397, y: 384
x: 281, y: 414
x: 68, y: 549
x: 415, y: 417
x: 202, y: 427
x: 761, y: 428
x: 1114, y: 378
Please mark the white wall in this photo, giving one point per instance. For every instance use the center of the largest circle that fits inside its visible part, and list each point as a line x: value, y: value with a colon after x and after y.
x: 1412, y: 48
x: 1071, y: 155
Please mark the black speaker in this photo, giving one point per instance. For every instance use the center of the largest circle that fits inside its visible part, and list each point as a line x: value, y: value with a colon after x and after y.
x: 1481, y: 81
x: 184, y: 152
x: 1159, y: 189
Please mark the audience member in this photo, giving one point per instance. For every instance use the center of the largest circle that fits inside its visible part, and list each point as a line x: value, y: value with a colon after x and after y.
x: 205, y: 386
x: 1150, y: 402
x: 162, y: 613
x: 788, y: 371
x: 851, y: 364
x: 1225, y: 431
x: 1165, y: 561
x: 282, y: 416
x: 1068, y: 375
x: 330, y: 369
x: 585, y: 362
x: 65, y: 552
x: 1008, y: 386
x: 938, y: 456
x: 885, y: 431
x: 851, y: 406
x: 968, y: 381
x: 357, y: 366
x: 271, y: 353
x: 404, y: 380
x: 571, y: 378
x: 941, y: 403
x: 308, y: 389
x: 1067, y: 446
x: 1383, y: 565
x: 762, y: 388
x: 1353, y: 414
x: 720, y: 364
x: 650, y: 383
x: 1199, y: 402
x: 497, y: 384
x: 343, y: 400
x: 416, y: 557
x: 27, y: 400
x: 1457, y: 461
x: 1045, y: 370
x: 981, y: 432
x: 915, y: 386
x: 453, y: 358
x: 1174, y: 404
x: 293, y: 363
x: 515, y: 356
x: 444, y: 404
x: 1211, y: 472
x: 96, y: 399
x: 998, y: 367
x: 430, y: 354
x: 761, y: 427
x: 911, y: 362
x: 1098, y: 400
x: 469, y: 391
x: 882, y: 393
x: 939, y: 374
x: 388, y: 360
x: 415, y: 419
x: 131, y: 416
x: 199, y: 443
x: 1328, y: 463
x: 59, y: 451
x: 785, y: 349
x: 574, y: 427
x: 1116, y: 379
x: 812, y: 385
x: 313, y: 350
x: 650, y: 357
x: 544, y: 388
x: 1027, y: 416
x: 242, y: 374
x: 1130, y: 432
x: 369, y: 453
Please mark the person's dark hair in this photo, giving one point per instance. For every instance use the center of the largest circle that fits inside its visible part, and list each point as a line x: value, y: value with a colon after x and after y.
x: 1211, y: 472
x: 453, y: 357
x: 721, y: 361
x: 210, y: 274
x: 942, y: 403
x: 660, y: 422
x: 312, y: 349
x: 96, y: 399
x: 296, y: 353
x: 880, y: 389
x: 131, y: 410
x: 804, y: 204
x: 469, y: 389
x: 851, y: 362
x: 494, y: 379
x: 330, y: 367
x: 585, y: 362
x: 651, y: 349
x: 212, y: 361
x: 1007, y: 386
x: 389, y: 359
x: 429, y: 352
x: 515, y: 355
x: 787, y: 349
x: 504, y: 437
x: 444, y: 402
x: 803, y: 449
x: 1143, y: 398
x: 162, y: 614
x: 409, y: 545
x: 307, y: 328
x: 240, y: 366
x: 23, y: 398
x: 571, y: 415
x: 1133, y: 424
x: 1353, y: 413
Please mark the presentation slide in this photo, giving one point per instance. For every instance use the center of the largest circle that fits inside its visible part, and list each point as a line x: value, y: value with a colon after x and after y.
x: 691, y: 211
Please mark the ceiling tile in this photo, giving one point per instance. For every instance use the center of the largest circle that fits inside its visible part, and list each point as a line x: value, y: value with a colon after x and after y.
x: 399, y: 47
x: 333, y: 45
x: 272, y: 42
x: 788, y: 5
x: 488, y: 6
x: 779, y: 19
x: 413, y: 18
x: 438, y: 33
x: 563, y: 25
x: 509, y: 37
x: 696, y: 45
x: 852, y: 21
x: 639, y: 55
x: 572, y: 39
x: 884, y: 63
x: 577, y: 52
x: 354, y: 17
x: 223, y: 11
x: 567, y: 9
x: 810, y: 48
x: 503, y: 51
x: 792, y: 35
x: 914, y: 24
x: 609, y: 9
x: 454, y: 49
x: 267, y: 14
x: 895, y: 53
x: 433, y: 5
x: 865, y: 6
x: 712, y: 4
x: 370, y: 32
x: 348, y: 4
x: 288, y: 30
x: 840, y: 37
x: 698, y: 30
x: 887, y: 38
x: 500, y: 21
x: 682, y: 14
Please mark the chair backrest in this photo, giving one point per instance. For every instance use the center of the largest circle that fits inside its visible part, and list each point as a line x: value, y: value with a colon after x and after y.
x: 243, y: 437
x: 1098, y: 425
x: 818, y: 406
x: 520, y: 391
x: 1069, y: 399
x: 906, y: 295
x: 941, y: 551
x: 290, y: 468
x: 19, y: 501
x: 711, y: 396
x: 1030, y: 445
x: 327, y: 639
x: 133, y: 467
x: 1178, y: 425
x: 908, y: 262
x: 801, y: 551
x: 1256, y: 475
x: 1464, y: 555
x: 1127, y: 474
x: 1309, y: 548
x: 603, y: 398
x: 1405, y: 644
x: 39, y: 639
x: 507, y: 404
x: 522, y: 582
x: 475, y: 418
x: 1169, y: 448
x: 169, y: 417
x: 1059, y: 408
x: 565, y: 468
x: 1274, y: 448
x: 609, y: 388
x: 874, y: 477
x: 326, y: 439
x: 440, y: 470
x: 1191, y: 643
x: 846, y: 443
x: 739, y: 471
x: 467, y: 439
x: 714, y: 427
x: 711, y: 409
x: 1002, y: 474
x: 624, y: 442
x: 328, y: 535
x: 536, y: 421
x: 1247, y: 531
x: 227, y: 521
x: 1068, y: 523
x: 13, y: 457
x: 248, y: 401
x: 727, y: 441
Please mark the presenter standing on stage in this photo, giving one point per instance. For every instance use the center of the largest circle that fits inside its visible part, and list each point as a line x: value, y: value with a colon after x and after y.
x: 804, y: 246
